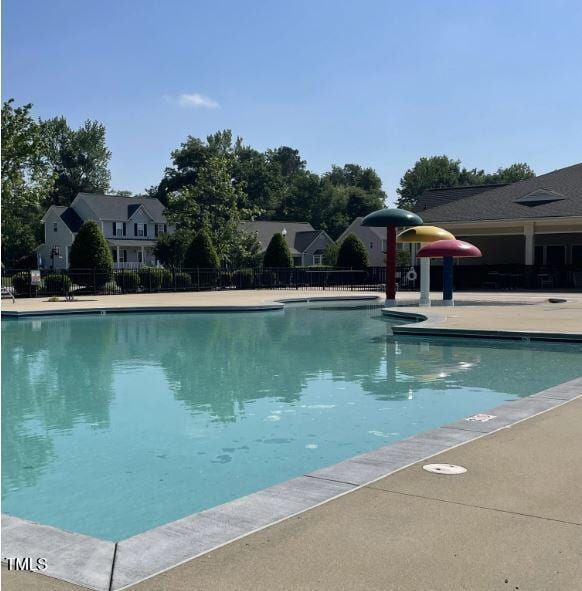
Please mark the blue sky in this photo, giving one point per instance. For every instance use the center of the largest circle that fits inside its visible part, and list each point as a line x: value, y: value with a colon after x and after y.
x: 379, y: 83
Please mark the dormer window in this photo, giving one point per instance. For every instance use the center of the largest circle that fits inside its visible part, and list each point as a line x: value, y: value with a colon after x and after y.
x: 539, y: 197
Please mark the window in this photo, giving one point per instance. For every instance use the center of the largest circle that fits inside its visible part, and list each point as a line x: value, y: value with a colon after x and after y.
x: 56, y: 251
x: 140, y: 230
x: 55, y: 227
x: 114, y: 254
x: 318, y: 259
x: 123, y: 256
x: 118, y: 229
x: 160, y: 229
x: 139, y: 256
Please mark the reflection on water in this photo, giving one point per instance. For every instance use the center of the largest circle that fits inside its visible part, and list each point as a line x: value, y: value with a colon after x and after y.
x: 115, y: 412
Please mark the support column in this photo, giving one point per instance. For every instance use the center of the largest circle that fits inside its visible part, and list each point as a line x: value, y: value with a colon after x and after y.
x: 448, y: 281
x: 530, y: 243
x: 424, y: 281
x: 530, y: 253
x: 390, y: 266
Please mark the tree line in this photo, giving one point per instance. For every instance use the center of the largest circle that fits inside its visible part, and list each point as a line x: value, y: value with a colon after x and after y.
x: 211, y: 186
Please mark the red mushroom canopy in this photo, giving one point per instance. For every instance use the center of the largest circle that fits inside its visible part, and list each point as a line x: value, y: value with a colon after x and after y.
x: 449, y: 248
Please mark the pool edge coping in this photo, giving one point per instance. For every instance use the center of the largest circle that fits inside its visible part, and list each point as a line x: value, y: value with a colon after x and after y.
x: 167, y: 546
x: 277, y: 304
x: 430, y: 324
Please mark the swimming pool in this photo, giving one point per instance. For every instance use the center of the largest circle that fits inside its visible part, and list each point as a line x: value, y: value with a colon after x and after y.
x: 115, y: 424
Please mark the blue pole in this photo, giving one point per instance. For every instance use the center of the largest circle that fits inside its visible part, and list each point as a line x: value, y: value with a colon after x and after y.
x: 448, y: 281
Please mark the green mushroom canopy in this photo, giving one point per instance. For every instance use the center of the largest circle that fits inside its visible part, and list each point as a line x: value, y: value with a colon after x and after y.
x: 392, y: 216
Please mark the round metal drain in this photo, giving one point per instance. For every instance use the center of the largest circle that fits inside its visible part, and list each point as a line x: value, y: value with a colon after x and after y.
x: 444, y: 469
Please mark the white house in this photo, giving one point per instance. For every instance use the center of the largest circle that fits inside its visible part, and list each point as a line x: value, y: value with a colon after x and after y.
x: 130, y: 226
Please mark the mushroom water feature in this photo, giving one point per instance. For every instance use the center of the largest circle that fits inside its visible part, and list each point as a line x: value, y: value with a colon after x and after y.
x: 424, y: 235
x: 447, y: 249
x: 391, y: 218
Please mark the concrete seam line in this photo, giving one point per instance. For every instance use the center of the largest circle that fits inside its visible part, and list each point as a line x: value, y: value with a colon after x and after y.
x: 469, y: 505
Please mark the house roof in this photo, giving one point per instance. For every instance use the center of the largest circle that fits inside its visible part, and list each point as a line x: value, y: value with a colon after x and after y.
x: 435, y: 197
x: 114, y: 207
x: 555, y: 194
x: 298, y: 235
x: 72, y: 219
x: 379, y: 232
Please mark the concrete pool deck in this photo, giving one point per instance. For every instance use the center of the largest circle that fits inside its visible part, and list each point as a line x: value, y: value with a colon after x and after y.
x: 298, y: 571
x: 512, y: 521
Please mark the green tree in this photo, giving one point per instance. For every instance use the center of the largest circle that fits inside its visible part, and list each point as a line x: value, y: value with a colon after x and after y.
x: 520, y: 171
x: 191, y: 160
x: 90, y: 251
x: 441, y: 171
x: 212, y: 204
x: 170, y: 249
x: 352, y: 253
x: 201, y: 252
x: 277, y: 253
x: 330, y: 255
x: 26, y: 179
x: 78, y: 159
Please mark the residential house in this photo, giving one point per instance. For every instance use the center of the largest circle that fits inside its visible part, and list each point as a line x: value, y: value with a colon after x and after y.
x: 534, y: 224
x: 306, y: 244
x: 373, y: 239
x: 130, y: 226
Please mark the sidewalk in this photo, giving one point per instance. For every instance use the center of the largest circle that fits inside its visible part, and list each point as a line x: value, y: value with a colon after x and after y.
x: 513, y: 521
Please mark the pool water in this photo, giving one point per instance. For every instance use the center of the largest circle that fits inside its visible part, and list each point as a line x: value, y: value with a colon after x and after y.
x: 116, y: 424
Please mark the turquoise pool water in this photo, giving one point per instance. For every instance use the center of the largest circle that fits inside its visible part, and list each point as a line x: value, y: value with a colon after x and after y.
x: 115, y: 424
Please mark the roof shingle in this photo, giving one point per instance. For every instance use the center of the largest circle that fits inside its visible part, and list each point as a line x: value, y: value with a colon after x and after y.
x: 500, y: 203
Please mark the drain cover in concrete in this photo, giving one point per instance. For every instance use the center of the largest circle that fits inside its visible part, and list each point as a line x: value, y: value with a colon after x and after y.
x: 444, y: 468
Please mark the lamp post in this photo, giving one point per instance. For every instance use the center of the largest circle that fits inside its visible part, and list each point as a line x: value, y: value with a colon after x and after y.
x: 447, y: 249
x: 424, y: 235
x: 391, y: 218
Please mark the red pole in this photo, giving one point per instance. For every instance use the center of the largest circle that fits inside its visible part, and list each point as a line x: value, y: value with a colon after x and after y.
x: 391, y: 263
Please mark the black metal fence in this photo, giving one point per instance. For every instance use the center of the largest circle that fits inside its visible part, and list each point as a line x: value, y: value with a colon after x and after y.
x: 153, y: 279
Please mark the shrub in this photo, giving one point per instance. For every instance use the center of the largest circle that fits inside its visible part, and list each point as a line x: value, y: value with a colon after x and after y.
x: 57, y: 283
x: 154, y: 279
x: 166, y: 278
x: 402, y: 258
x: 150, y: 278
x: 277, y: 253
x: 90, y: 251
x: 22, y: 285
x: 352, y: 253
x: 201, y: 253
x: 111, y: 287
x: 244, y: 279
x: 170, y: 249
x: 183, y: 280
x: 127, y: 281
x: 330, y: 255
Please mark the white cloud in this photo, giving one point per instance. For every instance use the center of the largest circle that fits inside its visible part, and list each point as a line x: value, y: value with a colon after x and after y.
x: 197, y: 101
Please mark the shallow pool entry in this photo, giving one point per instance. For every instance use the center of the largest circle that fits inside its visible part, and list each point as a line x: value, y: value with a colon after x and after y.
x: 116, y: 424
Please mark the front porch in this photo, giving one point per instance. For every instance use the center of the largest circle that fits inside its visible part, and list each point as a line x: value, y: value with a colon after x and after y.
x: 133, y: 254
